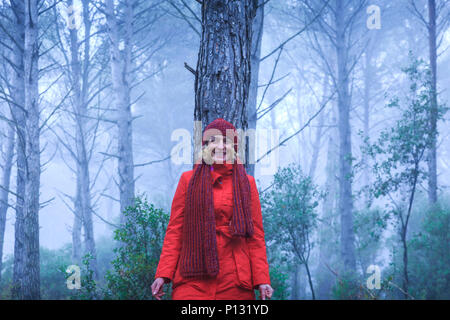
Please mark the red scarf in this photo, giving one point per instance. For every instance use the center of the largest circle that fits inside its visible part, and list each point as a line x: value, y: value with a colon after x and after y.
x: 198, y: 257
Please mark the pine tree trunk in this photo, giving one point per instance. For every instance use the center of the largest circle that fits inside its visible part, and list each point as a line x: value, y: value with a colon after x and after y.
x: 325, y: 278
x: 80, y: 79
x: 18, y: 96
x: 120, y: 71
x: 255, y: 55
x: 295, y: 282
x: 31, y: 278
x: 76, y: 229
x: 223, y: 68
x: 432, y: 167
x: 345, y: 152
x: 367, y: 83
x: 4, y: 193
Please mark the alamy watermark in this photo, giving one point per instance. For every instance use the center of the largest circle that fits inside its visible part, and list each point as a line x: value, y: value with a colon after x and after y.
x: 374, y: 281
x: 73, y: 17
x: 262, y: 145
x: 374, y: 20
x: 74, y: 280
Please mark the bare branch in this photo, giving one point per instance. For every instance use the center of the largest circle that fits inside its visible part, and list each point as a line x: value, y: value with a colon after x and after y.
x: 274, y: 81
x: 295, y: 34
x: 270, y: 80
x: 190, y: 69
x: 104, y: 220
x: 151, y: 162
x: 262, y: 4
x: 185, y: 18
x: 300, y: 130
x: 273, y: 105
x: 191, y: 11
x: 417, y: 13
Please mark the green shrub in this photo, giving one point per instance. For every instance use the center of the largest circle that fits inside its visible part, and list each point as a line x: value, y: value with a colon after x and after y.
x: 137, y: 256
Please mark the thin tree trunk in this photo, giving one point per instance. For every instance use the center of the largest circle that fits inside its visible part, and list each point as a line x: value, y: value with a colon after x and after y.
x: 18, y: 96
x: 310, y: 281
x: 405, y: 262
x: 404, y: 230
x: 257, y: 32
x: 4, y: 193
x: 223, y: 68
x: 120, y: 71
x: 80, y: 79
x: 31, y: 285
x: 75, y: 73
x: 345, y: 152
x: 294, y: 282
x: 325, y: 278
x: 76, y: 230
x: 366, y: 119
x: 432, y: 169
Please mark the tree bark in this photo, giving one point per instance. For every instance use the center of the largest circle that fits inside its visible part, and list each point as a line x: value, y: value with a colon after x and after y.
x: 345, y: 149
x: 405, y: 262
x: 367, y: 82
x: 325, y: 278
x: 295, y: 282
x: 18, y: 96
x: 76, y: 229
x: 310, y: 281
x: 257, y: 32
x: 80, y: 81
x: 432, y: 166
x: 31, y: 278
x: 4, y: 193
x: 223, y: 68
x: 120, y: 71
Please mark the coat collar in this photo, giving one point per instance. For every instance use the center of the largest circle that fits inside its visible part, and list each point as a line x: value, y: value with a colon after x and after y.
x: 218, y: 170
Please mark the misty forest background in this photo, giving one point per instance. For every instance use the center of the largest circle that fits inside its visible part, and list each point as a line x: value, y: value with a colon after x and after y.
x: 91, y: 92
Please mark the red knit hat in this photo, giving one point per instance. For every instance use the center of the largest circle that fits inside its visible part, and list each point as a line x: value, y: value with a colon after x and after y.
x: 220, y: 126
x: 198, y: 257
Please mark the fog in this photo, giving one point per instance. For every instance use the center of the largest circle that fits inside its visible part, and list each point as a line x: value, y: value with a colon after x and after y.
x: 108, y: 91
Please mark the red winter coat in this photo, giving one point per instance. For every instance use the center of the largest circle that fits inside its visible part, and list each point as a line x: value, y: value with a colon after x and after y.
x: 242, y: 262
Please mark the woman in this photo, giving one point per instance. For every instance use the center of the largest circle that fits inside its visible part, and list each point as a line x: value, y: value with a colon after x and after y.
x: 214, y: 244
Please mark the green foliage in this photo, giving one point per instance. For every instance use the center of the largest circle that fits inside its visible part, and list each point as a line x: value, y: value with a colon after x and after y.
x: 351, y: 287
x: 369, y: 225
x: 279, y: 270
x: 430, y: 258
x: 289, y: 211
x: 133, y: 263
x: 88, y: 290
x: 7, y: 275
x: 141, y: 239
x: 278, y: 278
x: 347, y: 288
x: 398, y: 155
x: 53, y: 284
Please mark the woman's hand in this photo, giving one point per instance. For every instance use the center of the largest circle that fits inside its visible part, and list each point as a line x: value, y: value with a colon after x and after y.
x: 157, y: 288
x: 266, y: 291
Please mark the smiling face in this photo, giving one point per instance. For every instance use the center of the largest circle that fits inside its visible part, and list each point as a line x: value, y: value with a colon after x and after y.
x: 219, y: 149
